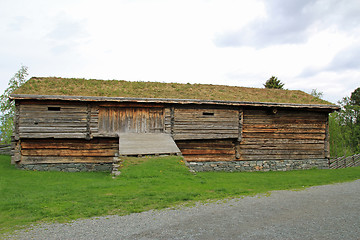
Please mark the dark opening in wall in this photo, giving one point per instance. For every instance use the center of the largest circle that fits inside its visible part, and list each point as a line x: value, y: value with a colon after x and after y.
x: 55, y: 109
x: 208, y: 113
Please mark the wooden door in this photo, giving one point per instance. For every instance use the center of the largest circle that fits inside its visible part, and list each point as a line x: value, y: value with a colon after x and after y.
x: 131, y: 120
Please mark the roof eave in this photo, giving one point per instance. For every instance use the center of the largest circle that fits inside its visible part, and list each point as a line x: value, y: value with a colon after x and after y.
x: 170, y: 101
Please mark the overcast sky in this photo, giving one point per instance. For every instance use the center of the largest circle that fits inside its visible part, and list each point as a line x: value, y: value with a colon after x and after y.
x: 307, y: 44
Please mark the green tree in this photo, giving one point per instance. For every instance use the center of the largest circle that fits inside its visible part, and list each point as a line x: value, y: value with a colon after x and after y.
x: 7, y: 107
x: 344, y: 128
x: 355, y: 97
x: 274, y: 82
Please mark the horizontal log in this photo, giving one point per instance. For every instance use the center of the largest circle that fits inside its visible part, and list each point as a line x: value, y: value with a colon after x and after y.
x: 57, y: 130
x: 207, y: 151
x: 65, y: 145
x: 196, y: 126
x: 48, y: 159
x: 52, y: 135
x: 205, y: 131
x: 209, y: 158
x: 282, y: 112
x: 285, y: 136
x: 202, y: 147
x: 283, y: 146
x: 204, y: 136
x: 280, y: 141
x: 201, y: 110
x: 285, y: 131
x: 71, y: 152
x: 51, y: 114
x: 263, y: 157
x: 267, y: 152
x: 59, y: 124
x: 286, y: 125
x: 220, y: 103
x: 278, y: 122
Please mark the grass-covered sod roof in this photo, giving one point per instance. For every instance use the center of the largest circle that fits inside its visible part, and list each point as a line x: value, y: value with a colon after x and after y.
x: 115, y: 88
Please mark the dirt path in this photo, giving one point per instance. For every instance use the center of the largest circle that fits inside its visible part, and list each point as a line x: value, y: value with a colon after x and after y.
x: 322, y: 212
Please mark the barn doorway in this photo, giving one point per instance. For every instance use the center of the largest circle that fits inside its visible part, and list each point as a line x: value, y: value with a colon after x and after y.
x: 140, y: 130
x: 131, y: 120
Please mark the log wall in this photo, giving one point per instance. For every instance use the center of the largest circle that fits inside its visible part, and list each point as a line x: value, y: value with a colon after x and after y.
x: 53, y: 120
x: 207, y: 150
x: 97, y: 150
x: 287, y: 135
x: 205, y: 123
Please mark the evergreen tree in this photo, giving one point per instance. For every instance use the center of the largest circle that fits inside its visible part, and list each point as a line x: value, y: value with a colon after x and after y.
x: 274, y: 82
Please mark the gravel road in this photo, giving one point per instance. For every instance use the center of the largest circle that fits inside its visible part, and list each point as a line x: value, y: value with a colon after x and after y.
x: 321, y: 212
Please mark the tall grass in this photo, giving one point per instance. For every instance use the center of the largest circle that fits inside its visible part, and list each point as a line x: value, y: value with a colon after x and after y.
x: 149, y: 183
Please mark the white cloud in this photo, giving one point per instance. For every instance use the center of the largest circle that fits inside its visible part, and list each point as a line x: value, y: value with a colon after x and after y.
x: 293, y: 22
x: 183, y: 41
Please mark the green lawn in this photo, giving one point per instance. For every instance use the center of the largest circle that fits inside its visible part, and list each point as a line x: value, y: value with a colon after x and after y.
x: 149, y: 183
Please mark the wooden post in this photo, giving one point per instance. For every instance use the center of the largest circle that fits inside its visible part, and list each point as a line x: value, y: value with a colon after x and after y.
x: 88, y: 120
x: 172, y: 120
x: 327, y: 137
x: 241, y: 121
x: 16, y: 121
x: 240, y: 130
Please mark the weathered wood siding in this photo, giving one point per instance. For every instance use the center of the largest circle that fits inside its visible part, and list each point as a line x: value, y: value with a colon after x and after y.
x: 205, y: 123
x: 53, y: 120
x: 207, y: 150
x: 288, y: 135
x: 96, y: 150
x: 132, y: 120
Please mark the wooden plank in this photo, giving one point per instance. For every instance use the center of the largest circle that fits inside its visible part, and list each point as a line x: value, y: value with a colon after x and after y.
x: 208, y: 158
x: 327, y: 138
x: 318, y: 146
x: 16, y: 123
x: 196, y: 127
x: 285, y: 131
x: 52, y: 135
x: 146, y: 143
x: 55, y: 159
x: 263, y: 157
x: 68, y: 145
x: 280, y: 141
x: 267, y: 152
x: 285, y: 136
x: 69, y: 153
x: 317, y: 107
x: 207, y: 151
x: 204, y: 136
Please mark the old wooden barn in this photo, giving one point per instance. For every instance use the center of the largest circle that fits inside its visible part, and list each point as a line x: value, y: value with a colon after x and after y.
x: 78, y: 125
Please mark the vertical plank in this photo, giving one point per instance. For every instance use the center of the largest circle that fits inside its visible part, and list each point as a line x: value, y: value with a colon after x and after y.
x: 327, y: 138
x: 88, y: 119
x: 172, y: 120
x: 16, y: 121
x: 241, y: 122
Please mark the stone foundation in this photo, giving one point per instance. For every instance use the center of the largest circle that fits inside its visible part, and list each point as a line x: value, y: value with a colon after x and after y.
x: 68, y: 167
x: 251, y: 166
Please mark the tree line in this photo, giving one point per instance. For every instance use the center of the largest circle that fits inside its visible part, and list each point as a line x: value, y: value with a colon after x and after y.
x: 344, y: 126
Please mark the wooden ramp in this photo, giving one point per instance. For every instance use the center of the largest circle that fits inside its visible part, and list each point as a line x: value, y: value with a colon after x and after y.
x: 146, y: 143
